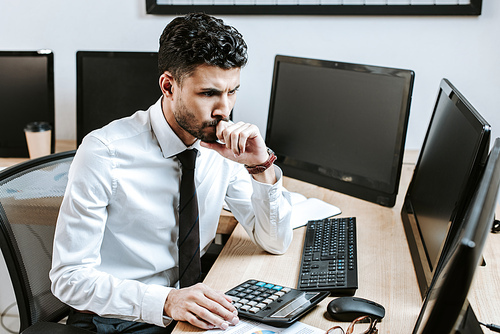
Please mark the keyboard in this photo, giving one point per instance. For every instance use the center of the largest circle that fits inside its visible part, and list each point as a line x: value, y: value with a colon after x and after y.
x: 329, y: 259
x: 273, y: 304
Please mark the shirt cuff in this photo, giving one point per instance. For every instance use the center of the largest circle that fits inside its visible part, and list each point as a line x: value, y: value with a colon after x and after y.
x: 153, y: 305
x: 265, y: 190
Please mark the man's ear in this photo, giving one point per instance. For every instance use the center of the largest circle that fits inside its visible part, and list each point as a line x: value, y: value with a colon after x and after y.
x: 166, y: 84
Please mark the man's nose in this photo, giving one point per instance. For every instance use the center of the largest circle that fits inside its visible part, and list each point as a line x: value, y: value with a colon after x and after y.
x: 223, y: 108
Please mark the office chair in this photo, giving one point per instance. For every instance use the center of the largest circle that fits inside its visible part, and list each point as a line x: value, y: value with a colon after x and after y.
x: 30, y: 196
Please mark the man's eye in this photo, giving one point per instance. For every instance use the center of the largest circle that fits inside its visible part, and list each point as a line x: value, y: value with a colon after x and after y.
x: 208, y: 93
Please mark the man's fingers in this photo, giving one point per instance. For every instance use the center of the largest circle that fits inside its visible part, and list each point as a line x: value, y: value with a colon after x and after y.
x: 240, y: 142
x: 236, y: 135
x: 221, y: 300
x: 216, y: 317
x: 228, y: 298
x: 195, y: 321
x: 221, y: 126
x: 202, y: 307
x: 250, y: 131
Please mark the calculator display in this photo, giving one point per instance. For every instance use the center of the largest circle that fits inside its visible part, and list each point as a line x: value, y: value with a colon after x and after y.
x: 301, y: 302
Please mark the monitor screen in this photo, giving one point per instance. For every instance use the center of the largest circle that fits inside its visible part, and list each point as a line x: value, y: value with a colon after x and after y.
x: 26, y: 95
x: 445, y: 308
x: 341, y: 126
x: 112, y: 85
x: 453, y: 154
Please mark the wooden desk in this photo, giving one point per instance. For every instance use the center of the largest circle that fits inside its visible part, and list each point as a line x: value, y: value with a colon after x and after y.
x: 385, y: 268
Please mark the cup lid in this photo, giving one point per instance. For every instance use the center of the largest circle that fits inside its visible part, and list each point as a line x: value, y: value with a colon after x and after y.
x: 38, y: 127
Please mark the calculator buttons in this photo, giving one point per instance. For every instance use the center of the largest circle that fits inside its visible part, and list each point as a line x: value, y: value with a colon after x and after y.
x: 272, y: 304
x: 255, y: 296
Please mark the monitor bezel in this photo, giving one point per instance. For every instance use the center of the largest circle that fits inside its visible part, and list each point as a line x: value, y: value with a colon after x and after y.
x: 22, y: 150
x: 324, y: 176
x: 421, y: 262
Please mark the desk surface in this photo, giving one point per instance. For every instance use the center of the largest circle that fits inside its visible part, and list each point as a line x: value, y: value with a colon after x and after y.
x: 385, y: 268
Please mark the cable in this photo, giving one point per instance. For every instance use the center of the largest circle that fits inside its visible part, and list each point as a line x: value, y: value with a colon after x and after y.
x: 493, y: 327
x: 4, y: 313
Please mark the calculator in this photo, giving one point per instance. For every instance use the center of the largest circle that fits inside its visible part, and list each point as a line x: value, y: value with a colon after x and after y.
x: 273, y: 304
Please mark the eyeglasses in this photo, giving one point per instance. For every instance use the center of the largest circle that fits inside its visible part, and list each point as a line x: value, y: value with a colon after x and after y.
x: 362, y: 326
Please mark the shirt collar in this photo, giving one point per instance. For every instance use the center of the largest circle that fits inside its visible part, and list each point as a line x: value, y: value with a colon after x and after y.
x: 170, y: 144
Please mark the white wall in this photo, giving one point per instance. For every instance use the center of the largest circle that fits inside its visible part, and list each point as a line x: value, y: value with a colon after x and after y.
x: 465, y: 50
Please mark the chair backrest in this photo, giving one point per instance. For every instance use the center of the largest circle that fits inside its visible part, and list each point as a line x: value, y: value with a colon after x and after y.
x: 30, y: 196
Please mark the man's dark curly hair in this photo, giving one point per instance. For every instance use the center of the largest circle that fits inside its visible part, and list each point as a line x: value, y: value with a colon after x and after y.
x: 196, y: 39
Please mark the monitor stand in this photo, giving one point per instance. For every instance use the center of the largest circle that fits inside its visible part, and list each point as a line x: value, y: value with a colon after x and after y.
x: 470, y: 324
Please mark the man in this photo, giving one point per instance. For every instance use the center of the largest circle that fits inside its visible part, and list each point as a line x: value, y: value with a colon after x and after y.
x: 115, y: 250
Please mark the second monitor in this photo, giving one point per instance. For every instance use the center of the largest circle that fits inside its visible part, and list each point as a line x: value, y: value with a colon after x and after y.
x: 451, y: 159
x: 341, y: 126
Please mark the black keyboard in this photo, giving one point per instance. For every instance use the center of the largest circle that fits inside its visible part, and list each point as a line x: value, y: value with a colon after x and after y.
x: 329, y: 259
x: 271, y: 303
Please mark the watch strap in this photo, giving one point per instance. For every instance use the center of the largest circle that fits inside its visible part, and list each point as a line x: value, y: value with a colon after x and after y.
x: 261, y: 168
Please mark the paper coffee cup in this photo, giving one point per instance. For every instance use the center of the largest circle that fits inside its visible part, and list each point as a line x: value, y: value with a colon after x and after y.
x: 38, y: 137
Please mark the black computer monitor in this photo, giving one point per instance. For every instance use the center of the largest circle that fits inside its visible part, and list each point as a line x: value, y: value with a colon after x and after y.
x: 445, y: 309
x: 26, y: 95
x: 112, y: 85
x: 341, y: 126
x: 450, y: 161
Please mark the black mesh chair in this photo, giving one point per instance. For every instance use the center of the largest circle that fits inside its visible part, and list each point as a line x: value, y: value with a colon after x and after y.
x: 30, y: 196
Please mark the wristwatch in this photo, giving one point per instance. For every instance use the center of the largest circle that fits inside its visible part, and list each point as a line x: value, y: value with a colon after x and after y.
x: 261, y: 168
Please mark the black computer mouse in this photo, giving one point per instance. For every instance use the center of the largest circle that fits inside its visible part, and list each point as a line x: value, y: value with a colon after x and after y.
x: 347, y: 309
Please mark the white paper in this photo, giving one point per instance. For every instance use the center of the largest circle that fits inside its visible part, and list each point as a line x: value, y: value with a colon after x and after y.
x: 311, y: 209
x: 253, y: 327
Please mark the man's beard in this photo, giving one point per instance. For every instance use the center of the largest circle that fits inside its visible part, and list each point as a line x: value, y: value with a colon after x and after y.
x: 186, y: 120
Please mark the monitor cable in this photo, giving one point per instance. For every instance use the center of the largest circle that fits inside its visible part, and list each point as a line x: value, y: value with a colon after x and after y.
x: 493, y: 327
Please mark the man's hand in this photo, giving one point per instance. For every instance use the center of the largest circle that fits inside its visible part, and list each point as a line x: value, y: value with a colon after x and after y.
x: 202, y: 307
x: 240, y: 142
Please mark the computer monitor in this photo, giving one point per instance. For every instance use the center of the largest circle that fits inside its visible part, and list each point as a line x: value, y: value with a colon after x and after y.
x: 450, y: 161
x: 445, y: 308
x: 26, y: 95
x: 341, y: 126
x: 112, y: 85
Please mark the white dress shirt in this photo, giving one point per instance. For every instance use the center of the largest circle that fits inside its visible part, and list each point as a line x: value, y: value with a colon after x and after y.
x: 115, y: 248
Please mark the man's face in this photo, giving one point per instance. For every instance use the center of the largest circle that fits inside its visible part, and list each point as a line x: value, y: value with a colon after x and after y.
x: 205, y: 98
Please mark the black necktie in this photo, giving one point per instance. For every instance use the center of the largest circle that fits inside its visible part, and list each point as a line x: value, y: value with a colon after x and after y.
x: 189, y: 231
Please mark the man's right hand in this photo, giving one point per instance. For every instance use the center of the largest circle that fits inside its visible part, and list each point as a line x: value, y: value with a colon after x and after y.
x: 202, y: 307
